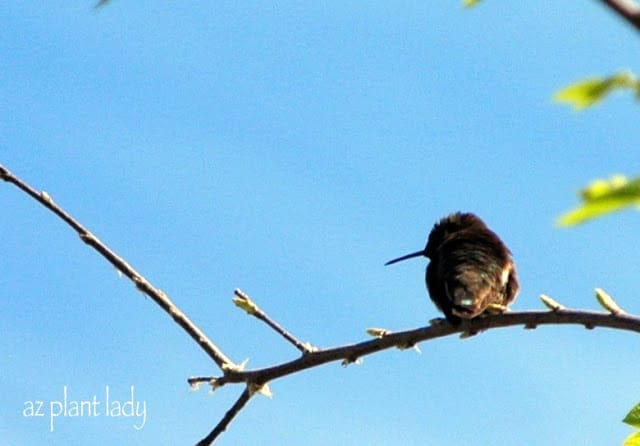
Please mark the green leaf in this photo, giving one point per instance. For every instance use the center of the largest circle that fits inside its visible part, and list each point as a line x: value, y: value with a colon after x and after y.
x: 592, y: 90
x: 590, y: 211
x: 469, y: 3
x: 603, y: 197
x: 632, y: 440
x: 633, y: 417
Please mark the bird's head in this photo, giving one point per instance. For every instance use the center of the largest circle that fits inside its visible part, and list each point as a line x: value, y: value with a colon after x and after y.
x: 449, y: 225
x: 441, y: 230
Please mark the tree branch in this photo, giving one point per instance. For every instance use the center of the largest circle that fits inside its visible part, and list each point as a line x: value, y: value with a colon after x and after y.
x: 157, y: 295
x: 256, y: 380
x: 627, y: 9
x: 243, y: 301
x: 244, y: 398
x: 403, y: 339
x: 559, y: 315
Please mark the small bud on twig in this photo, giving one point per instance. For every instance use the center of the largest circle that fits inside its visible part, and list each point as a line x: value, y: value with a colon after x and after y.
x: 409, y: 345
x: 243, y: 301
x: 608, y: 303
x: 46, y: 197
x: 214, y: 384
x: 551, y: 303
x: 378, y: 332
x: 347, y: 361
x: 262, y: 389
x: 235, y: 367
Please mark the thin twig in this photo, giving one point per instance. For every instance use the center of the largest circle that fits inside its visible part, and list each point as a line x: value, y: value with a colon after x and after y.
x: 121, y: 265
x: 627, y: 9
x: 228, y: 417
x: 243, y: 300
x: 195, y: 381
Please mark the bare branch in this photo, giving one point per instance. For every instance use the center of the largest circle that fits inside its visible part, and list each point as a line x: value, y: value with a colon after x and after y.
x: 351, y: 353
x: 528, y: 319
x: 257, y: 380
x: 627, y: 9
x: 121, y: 265
x: 244, y: 398
x: 243, y: 301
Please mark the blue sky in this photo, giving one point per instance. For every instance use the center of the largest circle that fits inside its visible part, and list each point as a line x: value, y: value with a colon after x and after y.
x: 290, y: 150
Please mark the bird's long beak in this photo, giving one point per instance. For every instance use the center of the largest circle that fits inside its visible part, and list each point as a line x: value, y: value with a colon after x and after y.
x: 408, y: 256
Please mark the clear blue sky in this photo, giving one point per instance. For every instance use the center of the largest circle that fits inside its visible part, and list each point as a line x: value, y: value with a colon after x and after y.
x: 290, y: 149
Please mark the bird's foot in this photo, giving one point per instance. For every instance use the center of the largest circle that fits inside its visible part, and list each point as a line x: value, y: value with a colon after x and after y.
x: 469, y: 334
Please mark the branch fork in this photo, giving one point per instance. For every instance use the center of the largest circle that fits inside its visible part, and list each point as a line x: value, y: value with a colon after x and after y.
x: 256, y: 381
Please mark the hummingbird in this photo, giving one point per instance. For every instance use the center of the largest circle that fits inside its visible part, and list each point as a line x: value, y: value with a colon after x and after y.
x: 471, y: 271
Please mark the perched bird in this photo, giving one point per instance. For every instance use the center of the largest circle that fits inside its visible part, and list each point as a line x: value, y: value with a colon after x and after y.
x: 471, y: 271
